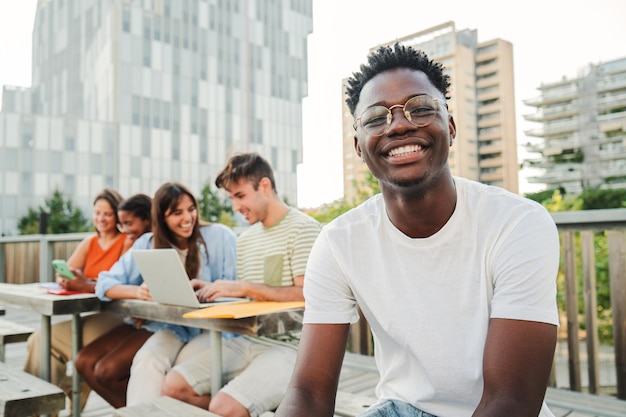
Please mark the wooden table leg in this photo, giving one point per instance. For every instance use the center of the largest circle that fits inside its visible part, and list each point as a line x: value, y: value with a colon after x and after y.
x: 77, y: 338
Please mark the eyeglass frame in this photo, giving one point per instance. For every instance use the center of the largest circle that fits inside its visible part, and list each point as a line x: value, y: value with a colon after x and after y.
x: 403, y: 106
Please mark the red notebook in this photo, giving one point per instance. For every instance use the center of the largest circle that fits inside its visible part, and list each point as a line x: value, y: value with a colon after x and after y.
x: 54, y: 288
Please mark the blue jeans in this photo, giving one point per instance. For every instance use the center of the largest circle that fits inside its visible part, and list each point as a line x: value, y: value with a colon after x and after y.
x: 392, y: 408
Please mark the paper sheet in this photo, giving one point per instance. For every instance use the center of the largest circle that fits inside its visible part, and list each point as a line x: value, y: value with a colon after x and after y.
x: 241, y: 310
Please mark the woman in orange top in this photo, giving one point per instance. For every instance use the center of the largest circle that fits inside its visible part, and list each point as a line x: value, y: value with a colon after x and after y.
x: 94, y: 254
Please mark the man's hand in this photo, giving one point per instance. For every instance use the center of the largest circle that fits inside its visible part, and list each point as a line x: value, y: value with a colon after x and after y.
x: 210, y: 291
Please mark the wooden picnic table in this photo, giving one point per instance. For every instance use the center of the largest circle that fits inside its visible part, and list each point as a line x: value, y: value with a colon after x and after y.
x: 260, y: 325
x: 33, y: 298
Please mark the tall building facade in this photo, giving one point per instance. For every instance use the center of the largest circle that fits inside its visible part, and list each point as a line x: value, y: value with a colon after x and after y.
x: 582, y: 139
x: 482, y: 104
x: 130, y: 94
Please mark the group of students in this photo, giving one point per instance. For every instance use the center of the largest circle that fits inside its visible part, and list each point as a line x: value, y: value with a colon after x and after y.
x: 457, y: 279
x: 130, y: 361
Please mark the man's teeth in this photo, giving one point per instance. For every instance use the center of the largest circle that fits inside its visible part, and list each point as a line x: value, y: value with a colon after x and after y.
x: 404, y: 150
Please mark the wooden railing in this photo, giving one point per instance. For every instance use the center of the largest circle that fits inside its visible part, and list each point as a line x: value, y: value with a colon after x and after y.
x: 27, y: 259
x: 576, y: 230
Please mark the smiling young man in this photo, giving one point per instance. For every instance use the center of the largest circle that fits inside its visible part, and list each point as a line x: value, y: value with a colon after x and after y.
x: 457, y: 279
x: 271, y: 258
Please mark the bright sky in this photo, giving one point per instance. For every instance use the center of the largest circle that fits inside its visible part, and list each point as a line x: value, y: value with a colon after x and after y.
x: 551, y: 39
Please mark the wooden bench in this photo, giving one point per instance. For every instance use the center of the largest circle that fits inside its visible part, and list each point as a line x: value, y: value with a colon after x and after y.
x: 23, y: 394
x: 573, y: 401
x: 163, y: 407
x: 12, y: 333
x: 351, y: 405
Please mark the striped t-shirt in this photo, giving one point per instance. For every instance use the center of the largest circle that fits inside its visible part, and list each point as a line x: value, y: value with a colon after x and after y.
x: 275, y: 255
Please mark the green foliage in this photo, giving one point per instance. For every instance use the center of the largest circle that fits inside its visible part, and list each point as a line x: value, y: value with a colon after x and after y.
x: 603, y: 199
x: 563, y: 202
x: 542, y: 196
x: 365, y: 190
x: 328, y: 212
x: 63, y: 217
x: 215, y: 209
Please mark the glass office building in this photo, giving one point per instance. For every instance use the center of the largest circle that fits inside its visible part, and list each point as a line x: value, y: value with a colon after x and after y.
x: 130, y: 94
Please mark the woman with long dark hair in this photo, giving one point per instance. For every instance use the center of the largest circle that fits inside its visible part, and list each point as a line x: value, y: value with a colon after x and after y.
x: 208, y: 252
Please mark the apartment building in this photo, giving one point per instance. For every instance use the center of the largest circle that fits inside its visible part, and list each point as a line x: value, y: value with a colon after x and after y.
x: 130, y: 94
x: 581, y: 140
x: 482, y: 104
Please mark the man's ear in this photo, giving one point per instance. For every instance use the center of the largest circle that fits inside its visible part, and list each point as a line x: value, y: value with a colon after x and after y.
x: 357, y: 147
x: 265, y: 185
x: 451, y: 128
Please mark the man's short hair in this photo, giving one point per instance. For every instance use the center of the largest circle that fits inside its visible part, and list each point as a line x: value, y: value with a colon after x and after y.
x: 247, y: 166
x: 386, y: 58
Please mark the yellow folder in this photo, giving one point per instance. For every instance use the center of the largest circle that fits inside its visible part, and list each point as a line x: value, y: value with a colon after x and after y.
x: 242, y: 310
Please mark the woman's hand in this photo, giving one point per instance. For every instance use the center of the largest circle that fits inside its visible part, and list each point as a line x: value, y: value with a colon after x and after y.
x: 78, y: 283
x: 143, y: 293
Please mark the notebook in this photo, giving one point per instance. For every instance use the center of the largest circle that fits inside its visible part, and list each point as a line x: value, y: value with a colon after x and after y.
x: 165, y: 275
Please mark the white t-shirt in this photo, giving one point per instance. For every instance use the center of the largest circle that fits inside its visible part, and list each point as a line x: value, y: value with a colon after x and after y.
x: 429, y: 301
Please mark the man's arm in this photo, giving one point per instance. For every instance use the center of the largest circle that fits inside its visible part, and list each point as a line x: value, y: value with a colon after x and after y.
x: 313, y: 386
x: 516, y: 366
x: 209, y: 291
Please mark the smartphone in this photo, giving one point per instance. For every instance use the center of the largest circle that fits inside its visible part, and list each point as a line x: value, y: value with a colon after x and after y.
x: 62, y: 269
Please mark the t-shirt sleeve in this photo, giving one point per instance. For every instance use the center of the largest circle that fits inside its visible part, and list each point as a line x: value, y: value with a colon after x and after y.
x: 525, y: 267
x: 328, y: 297
x: 303, y: 243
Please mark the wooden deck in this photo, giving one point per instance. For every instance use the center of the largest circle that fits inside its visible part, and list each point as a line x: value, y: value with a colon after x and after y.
x: 358, y: 377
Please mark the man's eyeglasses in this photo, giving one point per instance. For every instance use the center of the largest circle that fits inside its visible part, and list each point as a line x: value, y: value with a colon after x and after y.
x: 420, y: 111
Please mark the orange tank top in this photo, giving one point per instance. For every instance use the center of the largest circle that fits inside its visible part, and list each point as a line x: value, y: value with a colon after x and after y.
x: 98, y: 259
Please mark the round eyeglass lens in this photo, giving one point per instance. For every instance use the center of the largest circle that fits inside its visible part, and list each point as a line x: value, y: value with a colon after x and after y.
x: 420, y: 110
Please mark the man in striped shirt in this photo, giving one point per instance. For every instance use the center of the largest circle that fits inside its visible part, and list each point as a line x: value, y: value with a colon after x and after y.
x: 271, y: 259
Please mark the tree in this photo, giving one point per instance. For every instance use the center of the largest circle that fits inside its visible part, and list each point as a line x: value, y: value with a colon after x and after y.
x: 215, y: 209
x: 63, y: 217
x: 365, y: 190
x: 603, y: 199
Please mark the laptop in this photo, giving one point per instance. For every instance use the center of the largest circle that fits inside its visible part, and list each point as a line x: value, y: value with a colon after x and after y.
x: 165, y: 275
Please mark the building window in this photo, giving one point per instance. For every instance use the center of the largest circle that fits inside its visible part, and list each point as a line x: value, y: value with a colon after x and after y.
x: 125, y: 20
x: 194, y: 121
x: 135, y: 167
x: 156, y: 114
x: 147, y: 35
x: 27, y: 134
x: 145, y: 142
x: 294, y: 161
x: 27, y: 183
x: 274, y: 158
x: 157, y: 28
x: 166, y: 31
x: 146, y: 112
x: 109, y: 139
x: 96, y: 164
x: 166, y: 115
x: 147, y: 53
x: 175, y: 146
x: 69, y: 185
x: 136, y: 110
